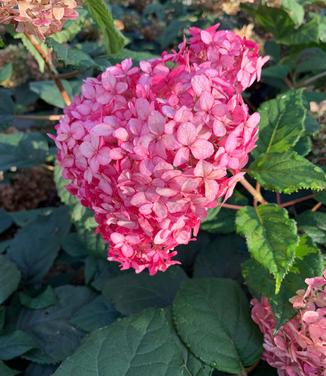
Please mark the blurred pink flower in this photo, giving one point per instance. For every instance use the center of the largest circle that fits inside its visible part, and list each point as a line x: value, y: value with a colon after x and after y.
x: 299, y: 347
x: 151, y: 148
x: 37, y: 17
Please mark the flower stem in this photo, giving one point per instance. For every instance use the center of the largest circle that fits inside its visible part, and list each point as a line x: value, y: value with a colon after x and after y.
x: 230, y: 206
x: 256, y: 194
x: 316, y: 207
x: 52, y: 69
x: 39, y: 117
x: 297, y: 201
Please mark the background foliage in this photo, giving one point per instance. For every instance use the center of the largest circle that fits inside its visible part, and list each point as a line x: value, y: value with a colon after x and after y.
x: 64, y: 310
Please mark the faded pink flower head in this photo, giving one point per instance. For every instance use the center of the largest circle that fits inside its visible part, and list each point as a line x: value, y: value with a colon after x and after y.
x: 299, y: 347
x: 149, y: 149
x: 37, y: 17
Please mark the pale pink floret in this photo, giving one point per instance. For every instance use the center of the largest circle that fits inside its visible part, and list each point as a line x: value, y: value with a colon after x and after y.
x: 159, y: 144
x: 38, y: 17
x: 299, y: 347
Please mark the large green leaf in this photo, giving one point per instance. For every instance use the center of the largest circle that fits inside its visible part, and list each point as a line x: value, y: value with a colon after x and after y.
x: 45, y: 299
x: 94, y: 315
x: 9, y: 278
x: 100, y: 13
x: 15, y: 344
x: 287, y: 172
x: 282, y: 123
x: 141, y: 345
x: 308, y: 263
x: 35, y: 246
x: 295, y: 10
x: 49, y: 92
x: 222, y: 258
x: 212, y: 317
x: 22, y: 150
x: 55, y: 336
x: 5, y: 220
x: 271, y: 237
x: 131, y: 293
x: 313, y: 224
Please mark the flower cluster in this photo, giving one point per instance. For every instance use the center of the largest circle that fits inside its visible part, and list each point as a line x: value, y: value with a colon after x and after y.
x: 149, y: 149
x: 37, y: 17
x: 299, y: 347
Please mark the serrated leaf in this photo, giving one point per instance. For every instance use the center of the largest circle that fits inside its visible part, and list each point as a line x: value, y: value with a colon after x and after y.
x: 35, y: 246
x: 5, y: 73
x: 207, y: 315
x: 132, y: 293
x: 222, y: 258
x: 271, y: 238
x: 321, y: 196
x: 71, y: 56
x: 100, y: 13
x: 303, y: 146
x: 15, y: 344
x: 308, y: 264
x: 9, y: 278
x: 94, y: 315
x: 22, y: 150
x: 44, y: 300
x: 281, y: 123
x: 313, y: 224
x: 141, y: 345
x: 5, y: 220
x: 55, y: 336
x: 287, y: 172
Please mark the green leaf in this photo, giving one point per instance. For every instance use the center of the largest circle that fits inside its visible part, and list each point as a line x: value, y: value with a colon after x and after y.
x: 49, y: 92
x: 44, y: 300
x: 99, y: 11
x: 287, y: 172
x: 131, y: 293
x: 71, y: 56
x: 5, y: 72
x: 94, y: 315
x: 6, y: 371
x: 24, y: 217
x: 35, y: 246
x: 141, y: 345
x: 32, y: 50
x: 303, y: 146
x: 22, y: 150
x: 308, y: 263
x: 282, y: 123
x: 15, y: 344
x: 222, y: 258
x: 9, y: 278
x: 271, y: 238
x: 208, y: 314
x: 2, y: 317
x: 311, y: 60
x: 5, y: 220
x: 321, y: 196
x: 220, y: 220
x: 294, y: 10
x: 55, y: 336
x: 313, y: 224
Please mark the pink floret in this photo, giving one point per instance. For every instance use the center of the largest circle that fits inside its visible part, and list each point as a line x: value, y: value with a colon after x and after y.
x: 299, y: 347
x: 149, y: 149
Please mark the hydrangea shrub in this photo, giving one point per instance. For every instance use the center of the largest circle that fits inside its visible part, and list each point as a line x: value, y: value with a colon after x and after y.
x: 187, y: 183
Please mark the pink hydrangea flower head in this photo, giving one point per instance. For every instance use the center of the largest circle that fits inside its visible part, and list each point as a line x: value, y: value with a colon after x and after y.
x: 299, y: 347
x: 149, y: 149
x: 38, y: 17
